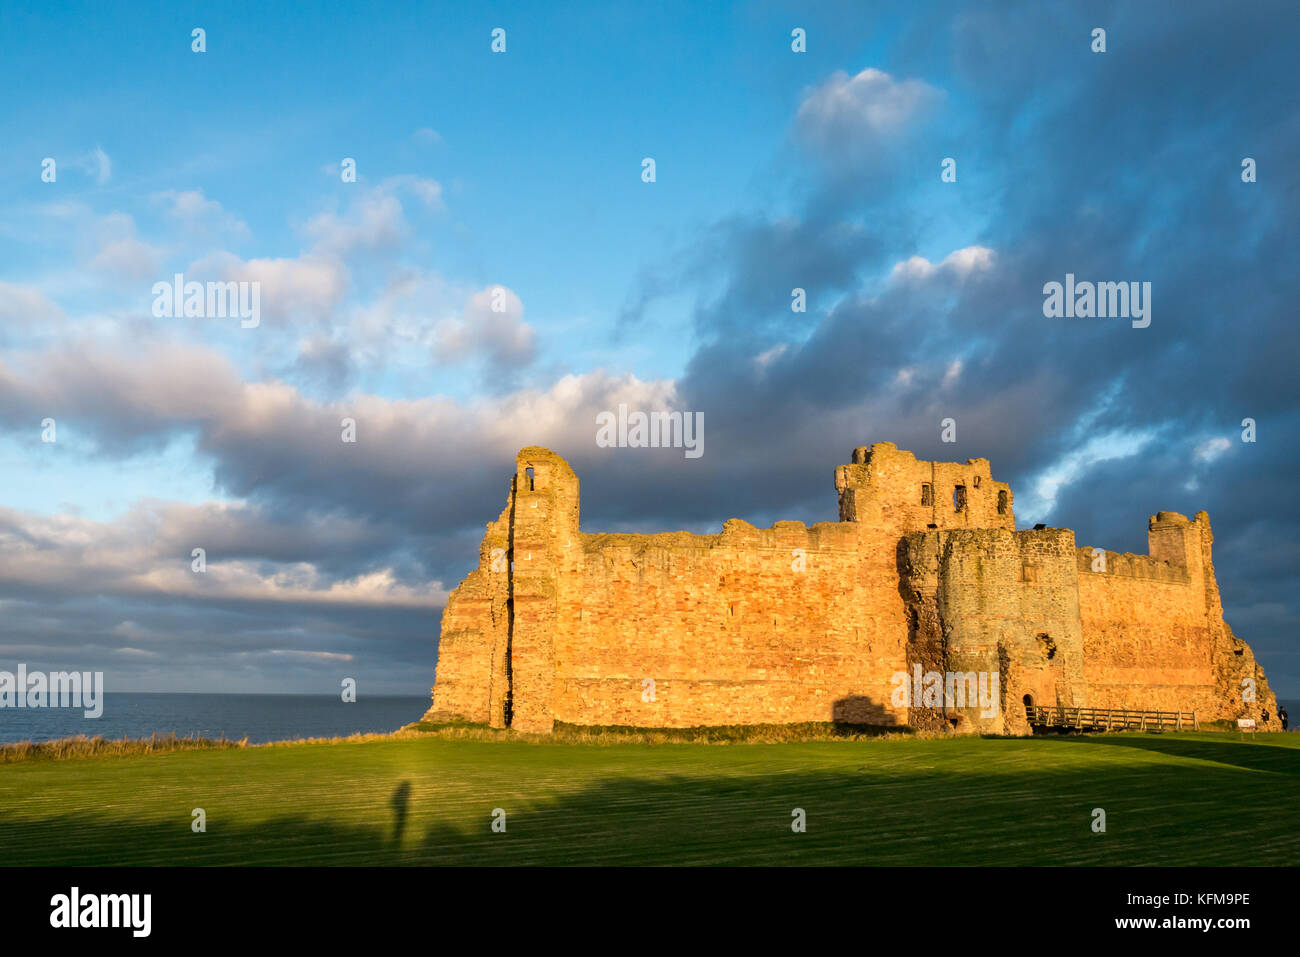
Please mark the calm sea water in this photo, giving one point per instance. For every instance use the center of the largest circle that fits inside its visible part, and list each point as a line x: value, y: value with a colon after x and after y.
x: 262, y: 717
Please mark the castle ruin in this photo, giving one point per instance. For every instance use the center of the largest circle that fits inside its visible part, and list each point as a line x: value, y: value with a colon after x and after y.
x: 924, y: 572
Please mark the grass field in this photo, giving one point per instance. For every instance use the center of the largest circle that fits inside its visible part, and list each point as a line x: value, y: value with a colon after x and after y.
x: 1169, y: 799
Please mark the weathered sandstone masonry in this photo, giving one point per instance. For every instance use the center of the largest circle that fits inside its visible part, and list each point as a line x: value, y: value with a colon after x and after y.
x: 796, y: 623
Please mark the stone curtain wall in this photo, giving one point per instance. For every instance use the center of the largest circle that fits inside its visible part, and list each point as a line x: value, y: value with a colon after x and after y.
x: 751, y: 626
x: 1154, y: 631
x: 796, y: 623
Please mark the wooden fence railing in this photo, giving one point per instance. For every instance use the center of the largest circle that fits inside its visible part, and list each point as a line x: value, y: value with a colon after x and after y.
x: 1111, y: 719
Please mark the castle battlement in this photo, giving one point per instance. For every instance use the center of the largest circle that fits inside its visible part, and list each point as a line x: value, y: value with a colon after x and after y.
x: 886, y: 484
x: 794, y: 623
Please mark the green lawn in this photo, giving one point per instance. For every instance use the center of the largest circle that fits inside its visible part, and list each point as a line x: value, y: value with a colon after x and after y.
x: 1169, y: 799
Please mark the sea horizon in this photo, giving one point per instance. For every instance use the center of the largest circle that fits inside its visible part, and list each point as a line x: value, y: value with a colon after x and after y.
x: 260, y: 717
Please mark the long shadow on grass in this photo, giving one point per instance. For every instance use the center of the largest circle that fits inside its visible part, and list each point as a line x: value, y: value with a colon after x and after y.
x: 1014, y: 813
x: 1248, y: 755
x: 400, y: 802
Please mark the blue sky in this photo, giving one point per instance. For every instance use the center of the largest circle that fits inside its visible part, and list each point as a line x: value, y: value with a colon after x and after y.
x: 522, y: 171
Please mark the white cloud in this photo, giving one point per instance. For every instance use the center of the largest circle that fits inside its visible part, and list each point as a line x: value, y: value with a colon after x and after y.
x: 1038, y: 503
x: 27, y: 305
x: 846, y: 109
x: 374, y: 221
x: 159, y: 389
x: 1211, y: 449
x: 309, y: 284
x: 429, y: 190
x: 97, y: 164
x: 137, y: 555
x: 199, y: 214
x: 121, y: 252
x: 491, y: 326
x: 768, y: 356
x: 326, y: 656
x: 959, y: 264
x: 127, y: 257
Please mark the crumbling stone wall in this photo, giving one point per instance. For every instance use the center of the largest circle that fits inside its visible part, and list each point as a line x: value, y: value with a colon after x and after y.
x: 1003, y: 603
x: 471, y: 678
x: 889, y: 487
x: 1154, y: 628
x: 797, y: 623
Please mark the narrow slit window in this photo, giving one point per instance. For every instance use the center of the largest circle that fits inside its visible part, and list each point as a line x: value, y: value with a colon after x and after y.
x: 530, y: 479
x: 958, y: 498
x: 927, y: 493
x: 1002, y: 502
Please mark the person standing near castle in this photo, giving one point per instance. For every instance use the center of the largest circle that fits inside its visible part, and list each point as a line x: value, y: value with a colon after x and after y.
x: 1282, y: 715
